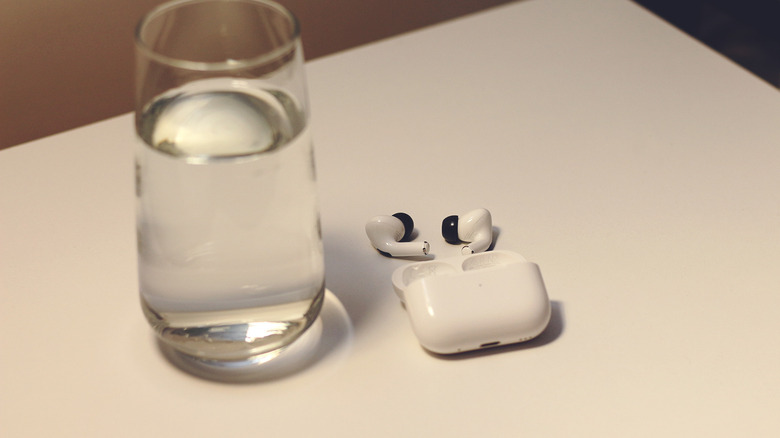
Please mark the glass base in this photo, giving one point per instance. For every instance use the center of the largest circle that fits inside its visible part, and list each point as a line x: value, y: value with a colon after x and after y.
x: 267, y: 366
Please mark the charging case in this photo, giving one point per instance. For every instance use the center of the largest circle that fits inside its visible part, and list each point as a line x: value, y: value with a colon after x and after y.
x: 475, y: 301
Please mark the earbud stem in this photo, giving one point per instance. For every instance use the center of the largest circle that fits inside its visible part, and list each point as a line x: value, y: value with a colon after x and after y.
x: 480, y: 244
x: 404, y: 249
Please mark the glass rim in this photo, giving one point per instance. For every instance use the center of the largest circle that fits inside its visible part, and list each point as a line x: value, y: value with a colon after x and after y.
x: 228, y: 64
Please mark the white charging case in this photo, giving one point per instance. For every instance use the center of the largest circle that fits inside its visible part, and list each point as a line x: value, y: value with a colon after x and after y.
x: 475, y: 301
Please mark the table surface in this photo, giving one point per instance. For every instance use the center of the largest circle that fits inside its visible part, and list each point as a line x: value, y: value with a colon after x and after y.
x: 638, y: 168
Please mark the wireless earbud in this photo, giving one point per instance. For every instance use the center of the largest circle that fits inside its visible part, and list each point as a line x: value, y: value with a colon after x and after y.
x: 474, y: 228
x: 389, y: 235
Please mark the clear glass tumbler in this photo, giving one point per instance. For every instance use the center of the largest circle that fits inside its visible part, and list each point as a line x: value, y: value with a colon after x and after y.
x: 229, y: 244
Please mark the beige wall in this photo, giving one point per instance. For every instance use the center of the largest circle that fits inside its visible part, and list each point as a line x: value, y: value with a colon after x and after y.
x: 67, y: 63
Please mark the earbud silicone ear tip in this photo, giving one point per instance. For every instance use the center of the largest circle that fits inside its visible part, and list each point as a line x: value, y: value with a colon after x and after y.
x: 449, y: 229
x: 408, y: 225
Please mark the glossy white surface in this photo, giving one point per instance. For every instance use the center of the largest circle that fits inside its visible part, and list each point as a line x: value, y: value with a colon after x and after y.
x: 635, y: 166
x: 472, y: 302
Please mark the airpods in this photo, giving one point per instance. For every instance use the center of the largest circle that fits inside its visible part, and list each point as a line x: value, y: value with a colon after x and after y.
x: 389, y: 235
x: 474, y: 228
x: 473, y: 302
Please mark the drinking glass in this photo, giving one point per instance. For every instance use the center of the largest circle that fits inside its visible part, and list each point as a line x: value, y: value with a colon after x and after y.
x: 229, y: 245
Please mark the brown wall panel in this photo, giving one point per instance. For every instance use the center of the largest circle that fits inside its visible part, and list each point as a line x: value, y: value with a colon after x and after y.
x: 67, y: 63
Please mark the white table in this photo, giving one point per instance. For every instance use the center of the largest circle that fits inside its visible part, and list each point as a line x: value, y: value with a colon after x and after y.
x: 638, y: 168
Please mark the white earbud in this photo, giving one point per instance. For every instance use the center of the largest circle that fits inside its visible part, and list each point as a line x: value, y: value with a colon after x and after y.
x: 389, y: 235
x: 474, y: 228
